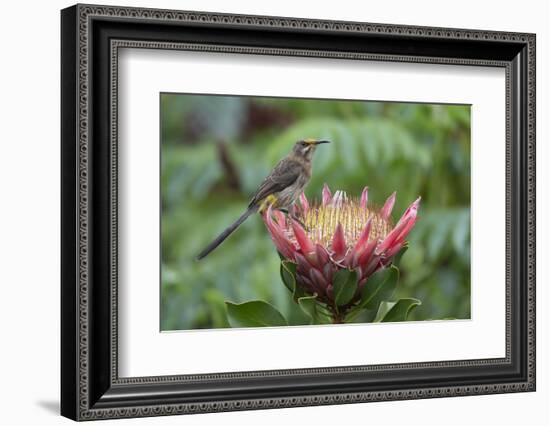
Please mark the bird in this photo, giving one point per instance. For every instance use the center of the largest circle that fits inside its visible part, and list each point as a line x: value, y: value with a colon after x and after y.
x: 280, y: 189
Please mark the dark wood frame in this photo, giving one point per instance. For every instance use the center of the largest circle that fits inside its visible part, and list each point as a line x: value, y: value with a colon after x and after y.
x: 90, y: 386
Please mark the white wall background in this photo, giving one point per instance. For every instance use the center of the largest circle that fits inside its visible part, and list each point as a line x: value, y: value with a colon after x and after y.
x: 29, y: 211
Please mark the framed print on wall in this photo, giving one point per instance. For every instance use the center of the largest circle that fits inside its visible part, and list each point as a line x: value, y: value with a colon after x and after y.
x: 263, y: 212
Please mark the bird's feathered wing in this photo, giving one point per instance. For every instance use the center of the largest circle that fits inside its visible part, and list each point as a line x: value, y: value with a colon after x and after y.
x: 283, y: 175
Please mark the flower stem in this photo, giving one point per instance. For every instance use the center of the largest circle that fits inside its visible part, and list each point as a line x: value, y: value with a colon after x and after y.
x: 337, y: 317
x: 337, y: 320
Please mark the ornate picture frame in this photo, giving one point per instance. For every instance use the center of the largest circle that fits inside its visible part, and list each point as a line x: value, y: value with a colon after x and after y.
x: 91, y: 37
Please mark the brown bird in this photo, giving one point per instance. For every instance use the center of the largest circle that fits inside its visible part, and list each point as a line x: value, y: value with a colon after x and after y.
x: 280, y: 189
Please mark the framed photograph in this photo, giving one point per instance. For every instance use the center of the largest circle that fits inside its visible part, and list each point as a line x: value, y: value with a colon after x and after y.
x: 263, y: 212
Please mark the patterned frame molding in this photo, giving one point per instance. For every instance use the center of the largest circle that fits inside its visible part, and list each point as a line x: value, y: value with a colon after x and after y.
x: 91, y: 388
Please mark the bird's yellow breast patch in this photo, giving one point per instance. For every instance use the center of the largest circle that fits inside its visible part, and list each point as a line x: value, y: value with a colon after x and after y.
x: 266, y: 202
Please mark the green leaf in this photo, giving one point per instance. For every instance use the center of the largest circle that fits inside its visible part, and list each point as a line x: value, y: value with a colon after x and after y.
x: 255, y: 313
x: 380, y: 286
x: 309, y: 306
x: 298, y: 292
x: 345, y: 285
x: 288, y: 275
x: 360, y: 316
x: 383, y: 309
x: 397, y: 258
x: 400, y: 310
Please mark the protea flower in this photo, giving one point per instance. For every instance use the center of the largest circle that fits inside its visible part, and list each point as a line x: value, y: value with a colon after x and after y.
x: 339, y: 233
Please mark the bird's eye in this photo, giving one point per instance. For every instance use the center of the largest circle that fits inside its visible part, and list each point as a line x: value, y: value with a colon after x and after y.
x: 302, y: 143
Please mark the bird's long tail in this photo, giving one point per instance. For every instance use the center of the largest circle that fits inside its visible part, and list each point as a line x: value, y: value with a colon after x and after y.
x: 226, y: 233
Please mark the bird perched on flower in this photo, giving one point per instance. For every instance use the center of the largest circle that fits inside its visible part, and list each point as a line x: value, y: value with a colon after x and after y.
x: 279, y: 190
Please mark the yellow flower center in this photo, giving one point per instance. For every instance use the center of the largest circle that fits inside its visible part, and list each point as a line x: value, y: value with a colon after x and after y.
x: 321, y: 222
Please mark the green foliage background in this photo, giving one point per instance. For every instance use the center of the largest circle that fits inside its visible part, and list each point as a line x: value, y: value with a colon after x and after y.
x: 216, y: 149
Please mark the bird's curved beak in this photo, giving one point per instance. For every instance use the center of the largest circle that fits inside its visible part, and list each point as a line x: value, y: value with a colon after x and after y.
x: 320, y: 142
